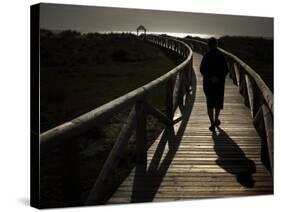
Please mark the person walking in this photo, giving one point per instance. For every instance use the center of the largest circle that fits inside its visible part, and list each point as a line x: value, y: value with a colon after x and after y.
x: 214, y: 70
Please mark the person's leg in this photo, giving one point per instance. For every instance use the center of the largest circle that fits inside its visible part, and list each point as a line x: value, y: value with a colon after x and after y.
x: 211, y: 117
x: 217, y: 113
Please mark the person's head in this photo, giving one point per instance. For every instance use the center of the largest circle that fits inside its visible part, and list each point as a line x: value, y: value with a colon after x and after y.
x: 212, y: 43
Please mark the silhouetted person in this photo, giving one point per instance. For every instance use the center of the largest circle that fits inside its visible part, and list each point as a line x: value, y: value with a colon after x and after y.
x: 214, y: 69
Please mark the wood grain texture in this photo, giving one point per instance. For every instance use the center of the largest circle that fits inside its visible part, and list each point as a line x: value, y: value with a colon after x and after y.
x: 187, y: 161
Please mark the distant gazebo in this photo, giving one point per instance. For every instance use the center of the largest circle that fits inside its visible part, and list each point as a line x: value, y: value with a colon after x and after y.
x: 141, y: 28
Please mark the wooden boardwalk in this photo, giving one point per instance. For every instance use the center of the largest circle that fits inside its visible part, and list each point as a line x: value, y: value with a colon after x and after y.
x: 188, y: 161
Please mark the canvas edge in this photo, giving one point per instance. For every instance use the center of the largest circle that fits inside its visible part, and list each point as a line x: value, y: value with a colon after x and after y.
x: 34, y: 106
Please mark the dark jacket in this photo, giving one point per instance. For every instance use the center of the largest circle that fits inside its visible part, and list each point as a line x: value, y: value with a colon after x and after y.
x: 214, y: 69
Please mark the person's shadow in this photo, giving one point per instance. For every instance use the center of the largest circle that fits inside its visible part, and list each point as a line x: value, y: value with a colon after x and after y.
x: 232, y: 158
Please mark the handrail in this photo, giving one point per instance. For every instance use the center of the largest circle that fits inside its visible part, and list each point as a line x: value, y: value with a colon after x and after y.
x: 267, y: 94
x: 257, y: 96
x: 177, y: 83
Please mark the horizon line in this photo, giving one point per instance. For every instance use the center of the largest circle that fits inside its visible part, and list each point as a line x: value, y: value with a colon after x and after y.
x: 175, y: 34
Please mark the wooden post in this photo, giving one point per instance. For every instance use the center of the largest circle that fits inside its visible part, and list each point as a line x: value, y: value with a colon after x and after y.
x: 98, y: 192
x: 181, y: 88
x: 169, y: 99
x: 268, y: 125
x: 141, y: 142
x: 180, y: 50
x: 245, y: 91
x: 257, y: 117
x: 241, y: 83
x: 236, y: 70
x: 71, y: 172
x: 199, y: 49
x: 185, y: 89
x: 230, y: 68
x: 185, y: 84
x: 250, y: 94
x: 190, y: 74
x: 256, y: 100
x: 233, y: 73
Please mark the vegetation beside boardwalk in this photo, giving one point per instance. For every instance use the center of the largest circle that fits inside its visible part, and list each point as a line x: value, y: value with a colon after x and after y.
x: 80, y: 72
x: 256, y: 52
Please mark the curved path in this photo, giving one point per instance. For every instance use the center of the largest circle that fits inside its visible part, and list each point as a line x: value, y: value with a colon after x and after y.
x: 188, y: 161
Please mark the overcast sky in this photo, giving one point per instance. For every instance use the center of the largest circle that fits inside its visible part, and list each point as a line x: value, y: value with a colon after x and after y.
x: 101, y: 19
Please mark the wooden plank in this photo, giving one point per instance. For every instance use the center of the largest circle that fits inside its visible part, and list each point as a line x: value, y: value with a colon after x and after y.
x: 122, y: 200
x: 191, y: 187
x: 187, y: 178
x: 195, y: 192
x: 195, y: 174
x: 186, y: 167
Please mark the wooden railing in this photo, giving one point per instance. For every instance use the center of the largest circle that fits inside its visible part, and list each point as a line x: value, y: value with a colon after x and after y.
x: 257, y: 96
x: 177, y: 83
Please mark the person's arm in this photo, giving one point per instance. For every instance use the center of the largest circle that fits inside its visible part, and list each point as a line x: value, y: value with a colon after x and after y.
x: 203, y: 66
x: 225, y: 67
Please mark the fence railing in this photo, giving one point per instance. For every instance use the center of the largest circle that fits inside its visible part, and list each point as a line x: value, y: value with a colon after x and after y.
x: 177, y: 83
x: 257, y: 96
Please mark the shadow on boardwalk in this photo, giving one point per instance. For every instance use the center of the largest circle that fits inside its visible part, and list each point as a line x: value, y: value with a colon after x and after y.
x: 232, y: 158
x: 151, y: 177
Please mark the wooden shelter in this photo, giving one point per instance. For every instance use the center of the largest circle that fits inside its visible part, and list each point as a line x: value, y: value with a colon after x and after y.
x: 141, y: 28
